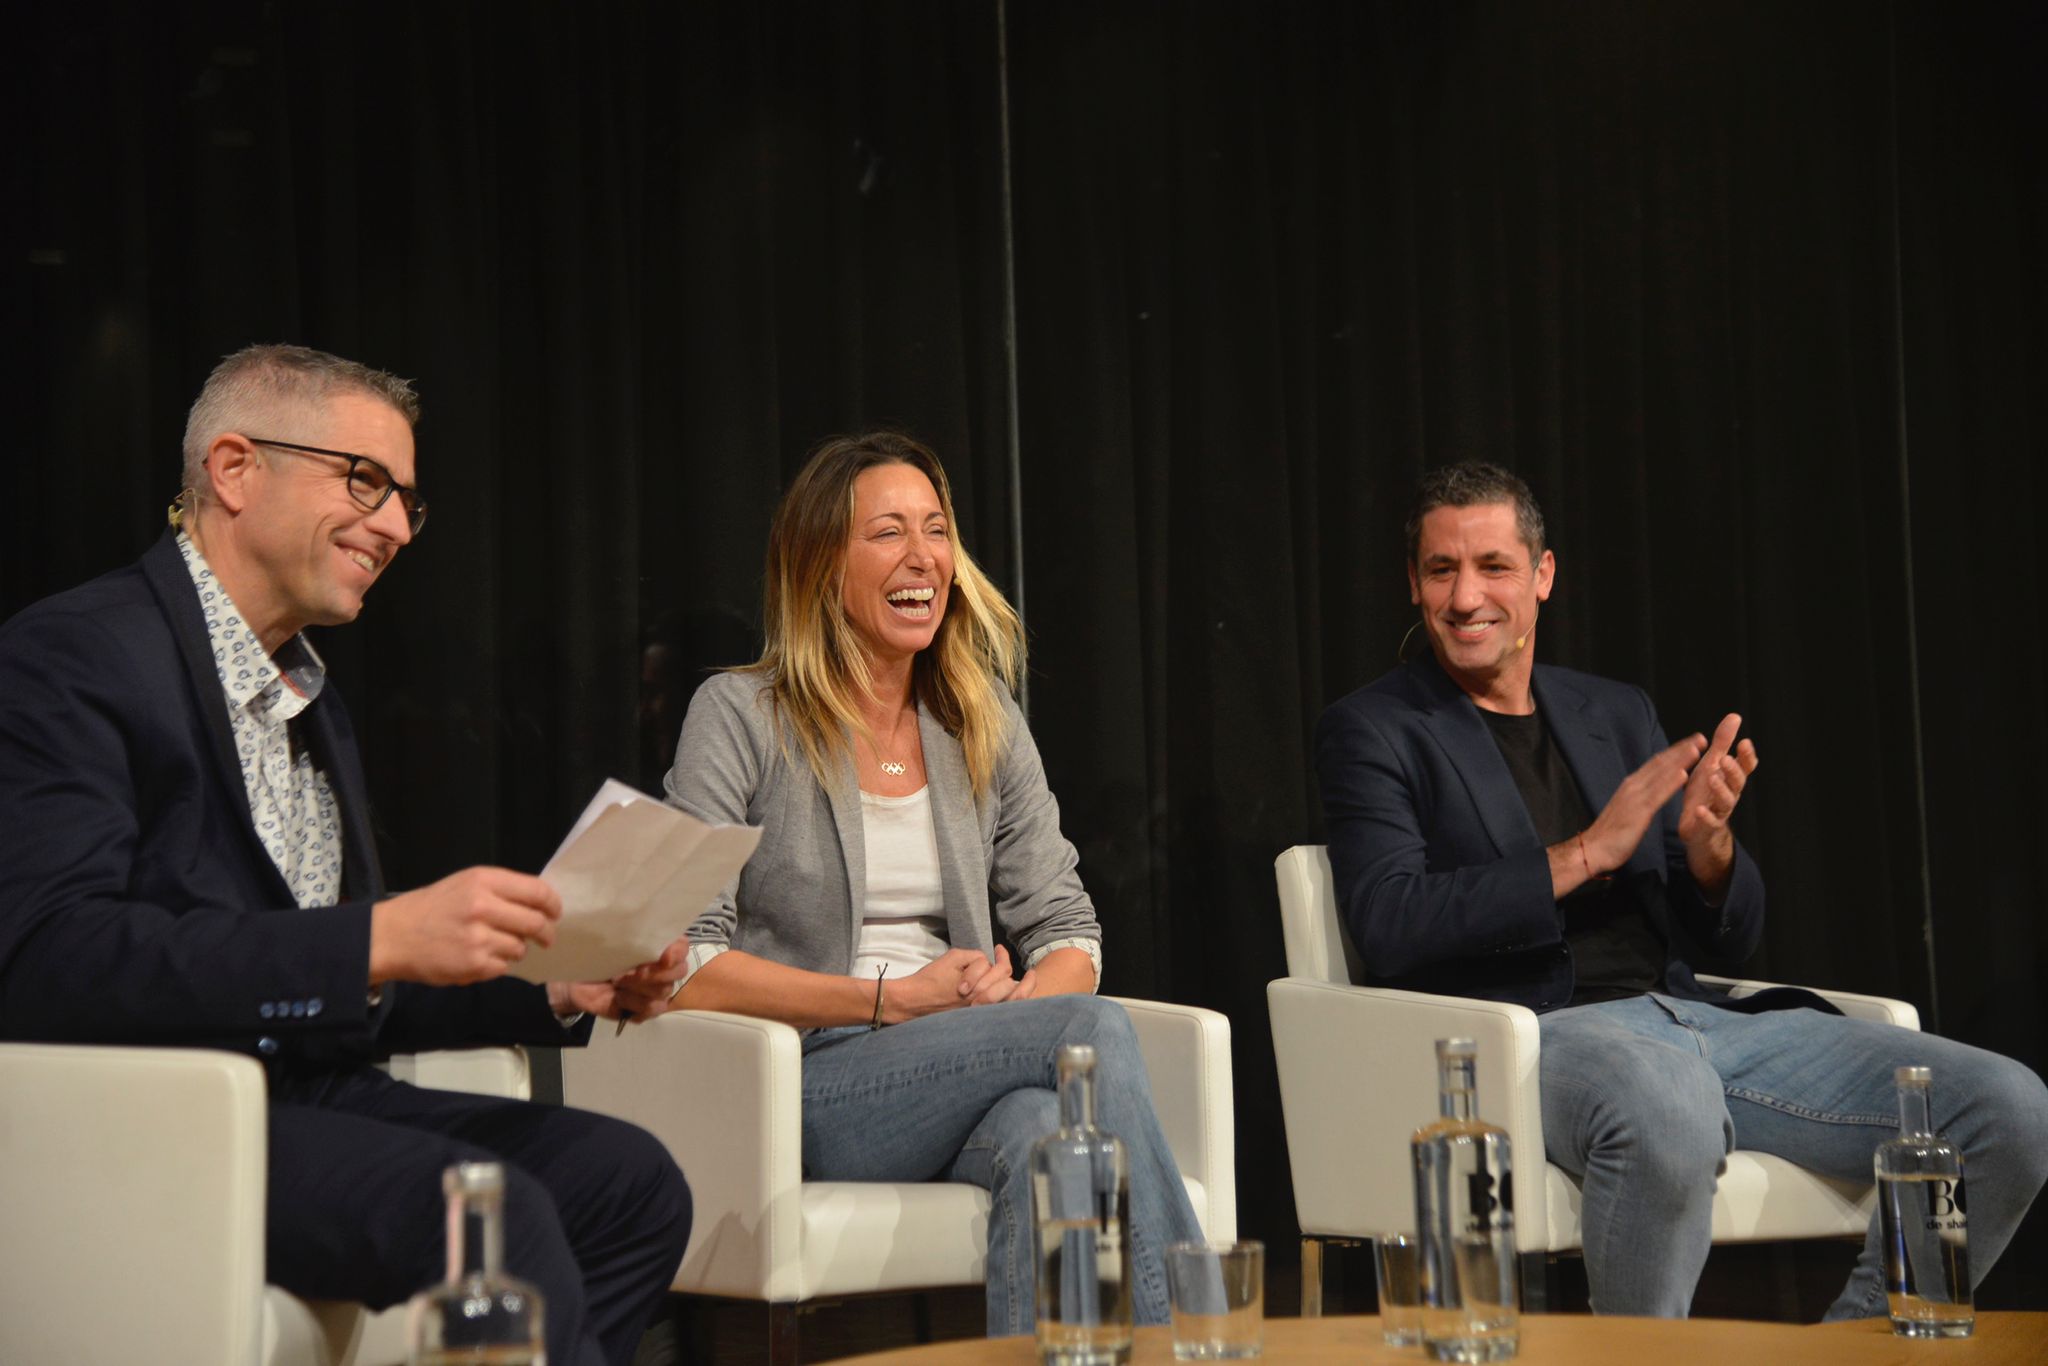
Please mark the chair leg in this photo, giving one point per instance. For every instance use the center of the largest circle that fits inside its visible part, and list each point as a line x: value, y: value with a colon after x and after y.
x: 1311, y: 1278
x: 782, y: 1333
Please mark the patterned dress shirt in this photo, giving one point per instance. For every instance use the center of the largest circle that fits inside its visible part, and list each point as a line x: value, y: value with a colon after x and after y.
x: 290, y: 799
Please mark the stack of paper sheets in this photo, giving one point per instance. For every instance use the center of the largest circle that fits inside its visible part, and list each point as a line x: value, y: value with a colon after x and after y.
x: 633, y: 873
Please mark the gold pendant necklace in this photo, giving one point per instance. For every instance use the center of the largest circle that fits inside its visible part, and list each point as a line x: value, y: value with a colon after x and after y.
x: 892, y: 767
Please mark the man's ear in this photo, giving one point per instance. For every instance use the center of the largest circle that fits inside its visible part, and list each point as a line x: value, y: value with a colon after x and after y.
x: 1546, y: 571
x: 1414, y: 585
x: 230, y: 460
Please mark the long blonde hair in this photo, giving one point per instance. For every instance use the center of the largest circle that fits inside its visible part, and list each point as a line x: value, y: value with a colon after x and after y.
x: 815, y: 663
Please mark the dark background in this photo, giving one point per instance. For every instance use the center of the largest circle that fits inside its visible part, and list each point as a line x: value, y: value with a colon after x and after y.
x: 1752, y: 293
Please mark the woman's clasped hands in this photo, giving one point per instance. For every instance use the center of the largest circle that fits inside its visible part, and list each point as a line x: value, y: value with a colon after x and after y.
x: 956, y: 978
x: 989, y: 981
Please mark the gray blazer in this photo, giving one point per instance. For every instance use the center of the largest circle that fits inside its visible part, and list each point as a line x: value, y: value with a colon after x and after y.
x: 799, y: 898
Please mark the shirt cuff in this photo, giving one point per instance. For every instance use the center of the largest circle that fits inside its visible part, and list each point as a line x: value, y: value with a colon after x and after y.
x: 1091, y: 947
x: 700, y: 954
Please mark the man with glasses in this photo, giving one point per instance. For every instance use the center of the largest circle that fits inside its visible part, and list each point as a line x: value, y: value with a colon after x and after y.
x: 190, y: 864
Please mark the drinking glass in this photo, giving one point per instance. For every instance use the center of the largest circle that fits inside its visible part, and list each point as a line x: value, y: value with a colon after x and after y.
x: 1219, y: 1300
x: 1397, y: 1257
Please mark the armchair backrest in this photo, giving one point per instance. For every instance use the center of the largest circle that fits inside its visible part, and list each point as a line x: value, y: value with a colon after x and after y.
x: 1317, y: 947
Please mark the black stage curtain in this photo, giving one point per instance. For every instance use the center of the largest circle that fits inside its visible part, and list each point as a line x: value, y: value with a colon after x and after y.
x: 1279, y: 261
x: 1750, y: 292
x: 642, y: 258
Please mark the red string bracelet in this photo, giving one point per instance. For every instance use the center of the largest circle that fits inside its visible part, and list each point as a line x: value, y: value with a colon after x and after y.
x: 1586, y: 863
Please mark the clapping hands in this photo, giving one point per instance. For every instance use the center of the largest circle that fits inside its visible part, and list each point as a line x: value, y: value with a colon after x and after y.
x: 1712, y: 775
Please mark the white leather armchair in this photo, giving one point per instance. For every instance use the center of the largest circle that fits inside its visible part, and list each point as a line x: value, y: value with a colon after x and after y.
x: 1358, y: 1076
x: 724, y: 1093
x: 131, y: 1202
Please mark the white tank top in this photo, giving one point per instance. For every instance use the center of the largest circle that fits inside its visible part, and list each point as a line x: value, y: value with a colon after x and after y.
x: 903, y: 923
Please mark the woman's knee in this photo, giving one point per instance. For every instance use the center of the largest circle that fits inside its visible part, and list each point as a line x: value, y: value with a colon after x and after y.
x: 1095, y: 1020
x: 999, y: 1150
x: 1020, y: 1119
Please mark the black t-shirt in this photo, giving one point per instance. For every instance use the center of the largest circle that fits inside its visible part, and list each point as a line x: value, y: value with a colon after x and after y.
x: 1615, y: 950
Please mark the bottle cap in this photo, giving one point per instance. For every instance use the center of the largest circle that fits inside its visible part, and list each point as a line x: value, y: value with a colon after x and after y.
x: 1447, y: 1049
x: 474, y: 1178
x: 1913, y: 1076
x: 1076, y: 1056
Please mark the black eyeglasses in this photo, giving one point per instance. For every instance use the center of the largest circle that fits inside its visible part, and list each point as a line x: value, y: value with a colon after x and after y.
x: 369, y: 483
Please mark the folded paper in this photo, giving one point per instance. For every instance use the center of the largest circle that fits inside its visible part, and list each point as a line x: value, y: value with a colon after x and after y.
x: 633, y: 873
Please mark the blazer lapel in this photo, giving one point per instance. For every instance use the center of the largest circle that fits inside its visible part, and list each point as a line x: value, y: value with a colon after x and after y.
x: 844, y: 796
x: 164, y: 567
x: 1457, y: 726
x: 1582, y: 737
x: 963, y: 874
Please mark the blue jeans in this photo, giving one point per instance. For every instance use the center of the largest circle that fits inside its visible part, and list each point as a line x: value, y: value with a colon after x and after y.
x: 1642, y: 1098
x: 963, y: 1096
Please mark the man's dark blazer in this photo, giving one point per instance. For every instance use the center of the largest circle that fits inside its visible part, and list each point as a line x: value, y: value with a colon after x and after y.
x: 137, y: 904
x: 1441, y: 878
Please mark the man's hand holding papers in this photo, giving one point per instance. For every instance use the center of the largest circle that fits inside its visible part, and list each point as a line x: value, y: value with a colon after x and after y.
x: 632, y: 874
x: 641, y: 994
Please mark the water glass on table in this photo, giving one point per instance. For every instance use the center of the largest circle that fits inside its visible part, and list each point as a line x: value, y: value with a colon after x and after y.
x: 1397, y: 1257
x: 1219, y: 1300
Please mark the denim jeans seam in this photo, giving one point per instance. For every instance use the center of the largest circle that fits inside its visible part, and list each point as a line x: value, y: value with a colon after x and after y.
x: 1886, y: 1122
x: 1150, y: 1264
x: 998, y: 1174
x: 922, y: 1072
x: 1610, y: 1230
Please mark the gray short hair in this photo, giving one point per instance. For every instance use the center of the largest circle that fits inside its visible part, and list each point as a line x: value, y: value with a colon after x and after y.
x: 1472, y: 483
x: 260, y: 389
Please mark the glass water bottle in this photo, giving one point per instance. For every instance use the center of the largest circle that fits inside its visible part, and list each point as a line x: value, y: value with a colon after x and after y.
x: 479, y: 1316
x: 1923, y: 1221
x: 1465, y: 1217
x: 1080, y: 1195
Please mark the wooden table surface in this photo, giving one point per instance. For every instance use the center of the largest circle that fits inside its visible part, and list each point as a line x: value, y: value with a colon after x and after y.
x: 2009, y: 1339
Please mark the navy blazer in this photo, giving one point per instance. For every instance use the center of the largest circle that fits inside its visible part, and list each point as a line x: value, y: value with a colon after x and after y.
x: 137, y: 904
x: 1441, y: 878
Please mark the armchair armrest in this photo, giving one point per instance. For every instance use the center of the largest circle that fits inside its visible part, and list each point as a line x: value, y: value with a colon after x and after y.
x: 1187, y: 1056
x: 137, y: 1170
x: 724, y: 1093
x: 479, y: 1071
x: 1879, y: 1009
x: 1358, y: 1076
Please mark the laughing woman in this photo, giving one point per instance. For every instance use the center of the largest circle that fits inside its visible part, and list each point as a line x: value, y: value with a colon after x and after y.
x: 908, y: 831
